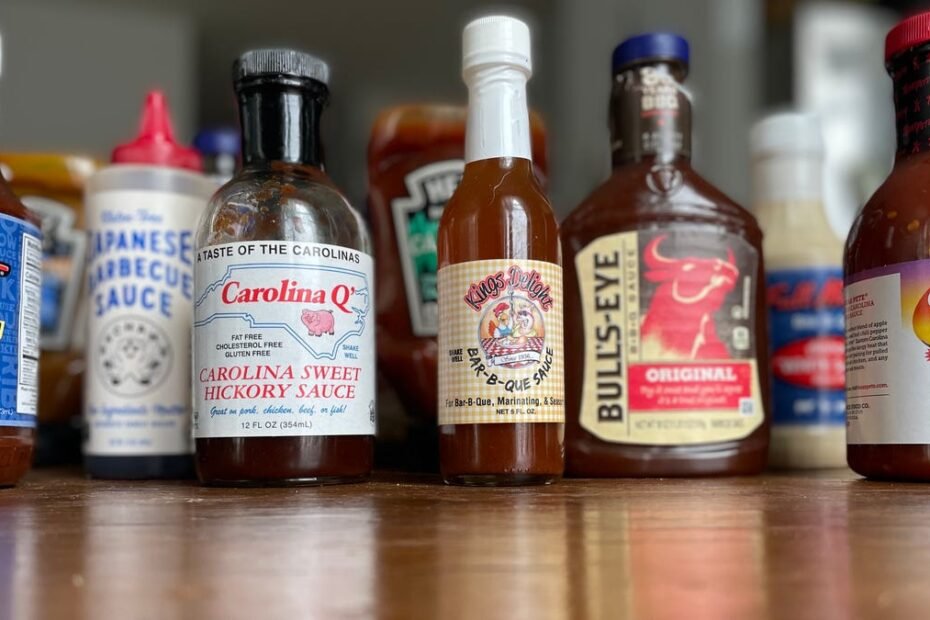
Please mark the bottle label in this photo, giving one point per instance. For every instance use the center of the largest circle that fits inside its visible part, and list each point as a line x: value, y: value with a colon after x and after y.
x: 284, y: 340
x: 64, y: 252
x: 416, y: 223
x: 808, y: 348
x: 21, y: 285
x: 500, y: 342
x: 888, y: 355
x: 140, y: 287
x: 669, y: 338
x: 651, y: 114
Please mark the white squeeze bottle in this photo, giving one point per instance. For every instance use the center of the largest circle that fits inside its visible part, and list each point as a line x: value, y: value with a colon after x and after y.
x: 141, y: 213
x: 804, y: 289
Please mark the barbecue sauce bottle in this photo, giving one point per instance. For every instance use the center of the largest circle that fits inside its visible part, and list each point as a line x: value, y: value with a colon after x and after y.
x: 284, y: 340
x: 887, y: 277
x: 501, y: 366
x: 21, y: 275
x: 667, y: 371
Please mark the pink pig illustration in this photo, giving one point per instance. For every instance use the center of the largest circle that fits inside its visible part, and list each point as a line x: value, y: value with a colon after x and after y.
x: 318, y: 322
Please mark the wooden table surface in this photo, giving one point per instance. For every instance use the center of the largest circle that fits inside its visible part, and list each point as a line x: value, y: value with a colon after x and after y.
x: 779, y: 546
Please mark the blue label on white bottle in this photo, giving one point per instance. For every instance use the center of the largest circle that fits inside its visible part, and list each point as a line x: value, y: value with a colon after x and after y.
x: 807, y: 345
x: 20, y: 292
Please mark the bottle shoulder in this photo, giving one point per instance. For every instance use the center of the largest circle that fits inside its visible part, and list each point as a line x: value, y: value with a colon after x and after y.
x: 643, y: 196
x: 894, y: 225
x: 486, y: 192
x: 286, y: 203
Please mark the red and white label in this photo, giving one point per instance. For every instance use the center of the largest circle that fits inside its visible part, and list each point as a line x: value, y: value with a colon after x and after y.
x: 689, y: 387
x: 283, y: 340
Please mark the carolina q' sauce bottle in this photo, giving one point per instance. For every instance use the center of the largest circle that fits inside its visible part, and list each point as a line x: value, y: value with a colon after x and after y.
x: 887, y: 274
x: 500, y: 283
x: 284, y: 330
x: 667, y: 370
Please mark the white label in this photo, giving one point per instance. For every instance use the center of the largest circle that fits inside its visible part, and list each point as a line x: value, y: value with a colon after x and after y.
x: 140, y: 289
x: 284, y: 340
x: 27, y: 393
x: 888, y: 356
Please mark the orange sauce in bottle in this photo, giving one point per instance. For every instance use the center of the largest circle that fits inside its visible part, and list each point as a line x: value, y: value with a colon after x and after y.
x: 500, y: 321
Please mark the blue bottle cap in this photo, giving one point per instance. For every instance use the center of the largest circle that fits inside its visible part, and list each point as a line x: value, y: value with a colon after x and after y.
x: 218, y: 141
x: 652, y: 46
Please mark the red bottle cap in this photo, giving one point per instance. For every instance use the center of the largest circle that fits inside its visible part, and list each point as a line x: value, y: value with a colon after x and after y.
x: 155, y: 143
x: 908, y: 33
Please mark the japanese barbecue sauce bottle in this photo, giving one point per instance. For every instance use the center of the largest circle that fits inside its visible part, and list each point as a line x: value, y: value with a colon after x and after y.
x: 887, y: 276
x: 21, y: 277
x: 416, y: 156
x: 284, y: 331
x: 501, y: 366
x: 804, y: 290
x: 140, y: 217
x: 667, y: 372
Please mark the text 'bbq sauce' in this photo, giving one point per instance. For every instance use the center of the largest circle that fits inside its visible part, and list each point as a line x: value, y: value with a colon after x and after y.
x: 887, y: 277
x: 667, y: 367
x: 284, y: 342
x: 501, y: 367
x: 416, y: 156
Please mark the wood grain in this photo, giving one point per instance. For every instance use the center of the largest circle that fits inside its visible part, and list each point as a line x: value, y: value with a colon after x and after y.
x: 788, y: 546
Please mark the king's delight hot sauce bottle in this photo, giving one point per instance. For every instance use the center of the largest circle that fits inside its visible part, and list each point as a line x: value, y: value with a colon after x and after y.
x: 667, y: 371
x: 887, y: 277
x: 500, y: 283
x: 284, y: 340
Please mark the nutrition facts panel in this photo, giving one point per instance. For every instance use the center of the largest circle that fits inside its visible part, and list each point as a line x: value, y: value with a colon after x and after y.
x: 30, y: 296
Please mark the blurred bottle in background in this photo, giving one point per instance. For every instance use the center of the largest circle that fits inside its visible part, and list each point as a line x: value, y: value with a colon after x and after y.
x: 141, y: 214
x: 839, y: 76
x: 804, y: 282
x: 219, y: 148
x: 51, y: 185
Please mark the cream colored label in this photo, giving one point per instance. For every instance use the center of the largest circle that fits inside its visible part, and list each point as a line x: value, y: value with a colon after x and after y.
x: 500, y: 343
x: 669, y: 338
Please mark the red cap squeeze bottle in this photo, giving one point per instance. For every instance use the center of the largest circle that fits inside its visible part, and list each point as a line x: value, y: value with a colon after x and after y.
x: 155, y: 144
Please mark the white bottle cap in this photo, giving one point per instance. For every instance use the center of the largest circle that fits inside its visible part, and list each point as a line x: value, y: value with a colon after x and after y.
x: 787, y: 153
x: 787, y: 133
x: 498, y: 40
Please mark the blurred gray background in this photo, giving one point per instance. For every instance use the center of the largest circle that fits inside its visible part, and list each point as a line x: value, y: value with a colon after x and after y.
x: 75, y: 72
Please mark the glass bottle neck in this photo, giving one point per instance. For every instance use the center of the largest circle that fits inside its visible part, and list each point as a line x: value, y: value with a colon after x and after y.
x: 650, y: 115
x: 281, y: 123
x: 498, y: 117
x: 910, y: 72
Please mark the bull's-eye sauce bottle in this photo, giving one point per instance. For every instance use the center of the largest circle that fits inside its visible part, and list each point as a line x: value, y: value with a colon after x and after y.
x: 887, y: 276
x: 284, y: 341
x: 501, y: 401
x: 667, y: 371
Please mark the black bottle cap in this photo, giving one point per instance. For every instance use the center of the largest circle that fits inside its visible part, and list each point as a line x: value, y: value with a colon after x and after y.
x: 284, y: 63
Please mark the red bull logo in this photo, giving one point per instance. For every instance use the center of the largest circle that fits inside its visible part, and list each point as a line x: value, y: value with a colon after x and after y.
x: 679, y: 321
